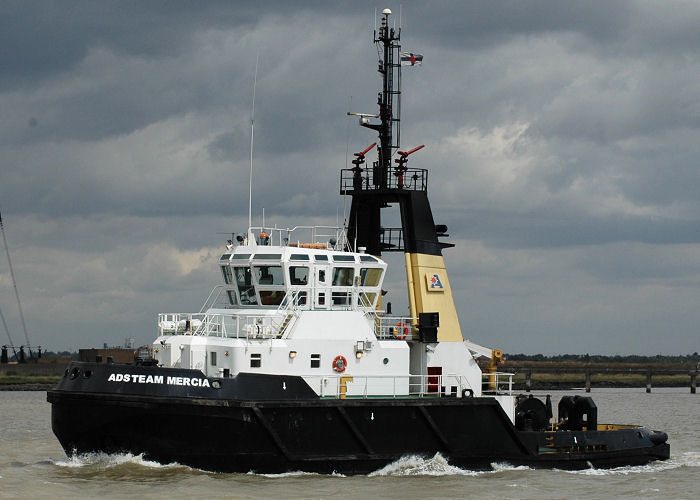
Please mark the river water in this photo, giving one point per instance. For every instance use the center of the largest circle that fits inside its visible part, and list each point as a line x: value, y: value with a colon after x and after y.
x: 33, y: 465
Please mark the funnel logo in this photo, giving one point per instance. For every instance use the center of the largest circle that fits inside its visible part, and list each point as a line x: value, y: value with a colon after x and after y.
x: 434, y: 283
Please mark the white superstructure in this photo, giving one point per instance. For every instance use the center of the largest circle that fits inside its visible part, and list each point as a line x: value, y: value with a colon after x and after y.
x: 306, y: 307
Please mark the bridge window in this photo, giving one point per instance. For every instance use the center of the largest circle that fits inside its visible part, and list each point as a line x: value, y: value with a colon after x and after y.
x: 366, y: 299
x: 340, y: 298
x: 321, y: 257
x: 343, y: 258
x: 255, y: 360
x: 370, y: 276
x: 267, y: 256
x: 245, y: 287
x: 299, y: 256
x: 342, y: 276
x: 271, y: 297
x: 298, y: 275
x: 301, y: 299
x: 269, y: 275
x: 228, y: 275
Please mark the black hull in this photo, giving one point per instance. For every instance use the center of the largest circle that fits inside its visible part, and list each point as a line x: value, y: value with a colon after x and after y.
x: 319, y: 435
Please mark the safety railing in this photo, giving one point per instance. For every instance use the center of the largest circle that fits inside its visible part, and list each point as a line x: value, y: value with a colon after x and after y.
x: 497, y: 383
x: 217, y: 297
x: 326, y: 237
x: 399, y: 386
x: 394, y: 327
x: 248, y: 326
x: 391, y: 239
x: 353, y: 180
x: 391, y: 386
x: 268, y: 325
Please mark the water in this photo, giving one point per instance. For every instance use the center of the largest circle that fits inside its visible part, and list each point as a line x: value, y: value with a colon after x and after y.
x: 33, y: 465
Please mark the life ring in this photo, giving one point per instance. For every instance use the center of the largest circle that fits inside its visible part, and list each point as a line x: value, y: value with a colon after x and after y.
x: 340, y: 363
x: 400, y: 331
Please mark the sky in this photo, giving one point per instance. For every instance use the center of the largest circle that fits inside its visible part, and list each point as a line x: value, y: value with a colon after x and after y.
x: 561, y: 139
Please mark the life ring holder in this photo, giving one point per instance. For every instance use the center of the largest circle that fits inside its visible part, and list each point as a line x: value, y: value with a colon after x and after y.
x: 401, y: 331
x: 340, y: 363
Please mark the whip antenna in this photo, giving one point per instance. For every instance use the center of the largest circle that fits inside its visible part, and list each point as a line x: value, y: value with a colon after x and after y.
x: 7, y: 330
x: 252, y: 135
x: 14, y: 285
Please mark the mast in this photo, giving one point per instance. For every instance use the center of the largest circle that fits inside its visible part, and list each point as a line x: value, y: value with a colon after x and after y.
x: 388, y: 41
x: 376, y: 188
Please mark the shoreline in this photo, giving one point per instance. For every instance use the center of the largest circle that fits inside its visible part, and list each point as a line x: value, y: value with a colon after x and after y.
x: 26, y: 387
x: 517, y: 388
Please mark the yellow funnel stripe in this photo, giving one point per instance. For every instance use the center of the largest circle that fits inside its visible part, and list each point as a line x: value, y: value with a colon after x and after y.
x: 429, y: 291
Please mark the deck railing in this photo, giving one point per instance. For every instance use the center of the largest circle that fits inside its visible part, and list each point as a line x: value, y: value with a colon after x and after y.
x: 248, y: 326
x: 266, y: 325
x: 331, y: 237
x: 394, y: 327
x: 398, y: 386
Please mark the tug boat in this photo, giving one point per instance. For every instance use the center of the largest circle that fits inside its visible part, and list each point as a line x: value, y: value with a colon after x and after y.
x: 295, y: 363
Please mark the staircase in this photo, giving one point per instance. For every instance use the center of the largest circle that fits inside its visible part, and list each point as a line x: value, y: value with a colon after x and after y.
x: 283, y: 327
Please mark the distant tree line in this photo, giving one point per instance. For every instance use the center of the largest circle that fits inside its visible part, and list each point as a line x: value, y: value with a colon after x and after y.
x: 598, y: 358
x: 44, y: 354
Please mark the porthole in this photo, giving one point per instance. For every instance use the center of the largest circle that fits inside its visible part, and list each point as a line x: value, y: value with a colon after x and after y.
x: 386, y: 361
x: 216, y: 384
x: 87, y: 373
x: 75, y: 373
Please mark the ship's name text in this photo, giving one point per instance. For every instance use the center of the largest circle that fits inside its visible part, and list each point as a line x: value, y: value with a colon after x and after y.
x: 158, y: 379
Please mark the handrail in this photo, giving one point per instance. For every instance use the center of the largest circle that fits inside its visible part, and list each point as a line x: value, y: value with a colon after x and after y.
x: 278, y: 235
x: 395, y: 386
x: 389, y: 326
x: 218, y: 289
x: 289, y: 303
x: 255, y: 325
x: 249, y: 326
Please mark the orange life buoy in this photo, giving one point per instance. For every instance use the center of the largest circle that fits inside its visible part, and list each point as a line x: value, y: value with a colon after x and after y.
x: 401, y: 331
x: 340, y: 363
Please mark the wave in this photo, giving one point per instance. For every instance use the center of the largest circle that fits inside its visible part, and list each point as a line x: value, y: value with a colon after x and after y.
x: 438, y: 466
x: 410, y: 465
x: 688, y: 459
x: 105, y: 461
x: 297, y: 473
x: 413, y: 465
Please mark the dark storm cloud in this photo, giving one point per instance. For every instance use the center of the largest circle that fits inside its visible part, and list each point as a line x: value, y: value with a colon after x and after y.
x: 43, y: 39
x: 545, y: 229
x: 561, y: 139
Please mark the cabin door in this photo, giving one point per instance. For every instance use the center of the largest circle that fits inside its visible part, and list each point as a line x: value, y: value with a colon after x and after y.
x: 322, y: 290
x: 198, y: 357
x: 434, y: 378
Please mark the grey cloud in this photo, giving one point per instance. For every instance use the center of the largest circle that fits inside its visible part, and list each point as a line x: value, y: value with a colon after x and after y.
x: 561, y: 139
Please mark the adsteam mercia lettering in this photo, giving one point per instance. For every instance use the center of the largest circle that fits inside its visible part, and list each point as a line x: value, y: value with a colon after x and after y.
x: 158, y: 379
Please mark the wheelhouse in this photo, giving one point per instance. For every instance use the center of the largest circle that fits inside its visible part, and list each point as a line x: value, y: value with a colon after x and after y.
x: 313, y: 278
